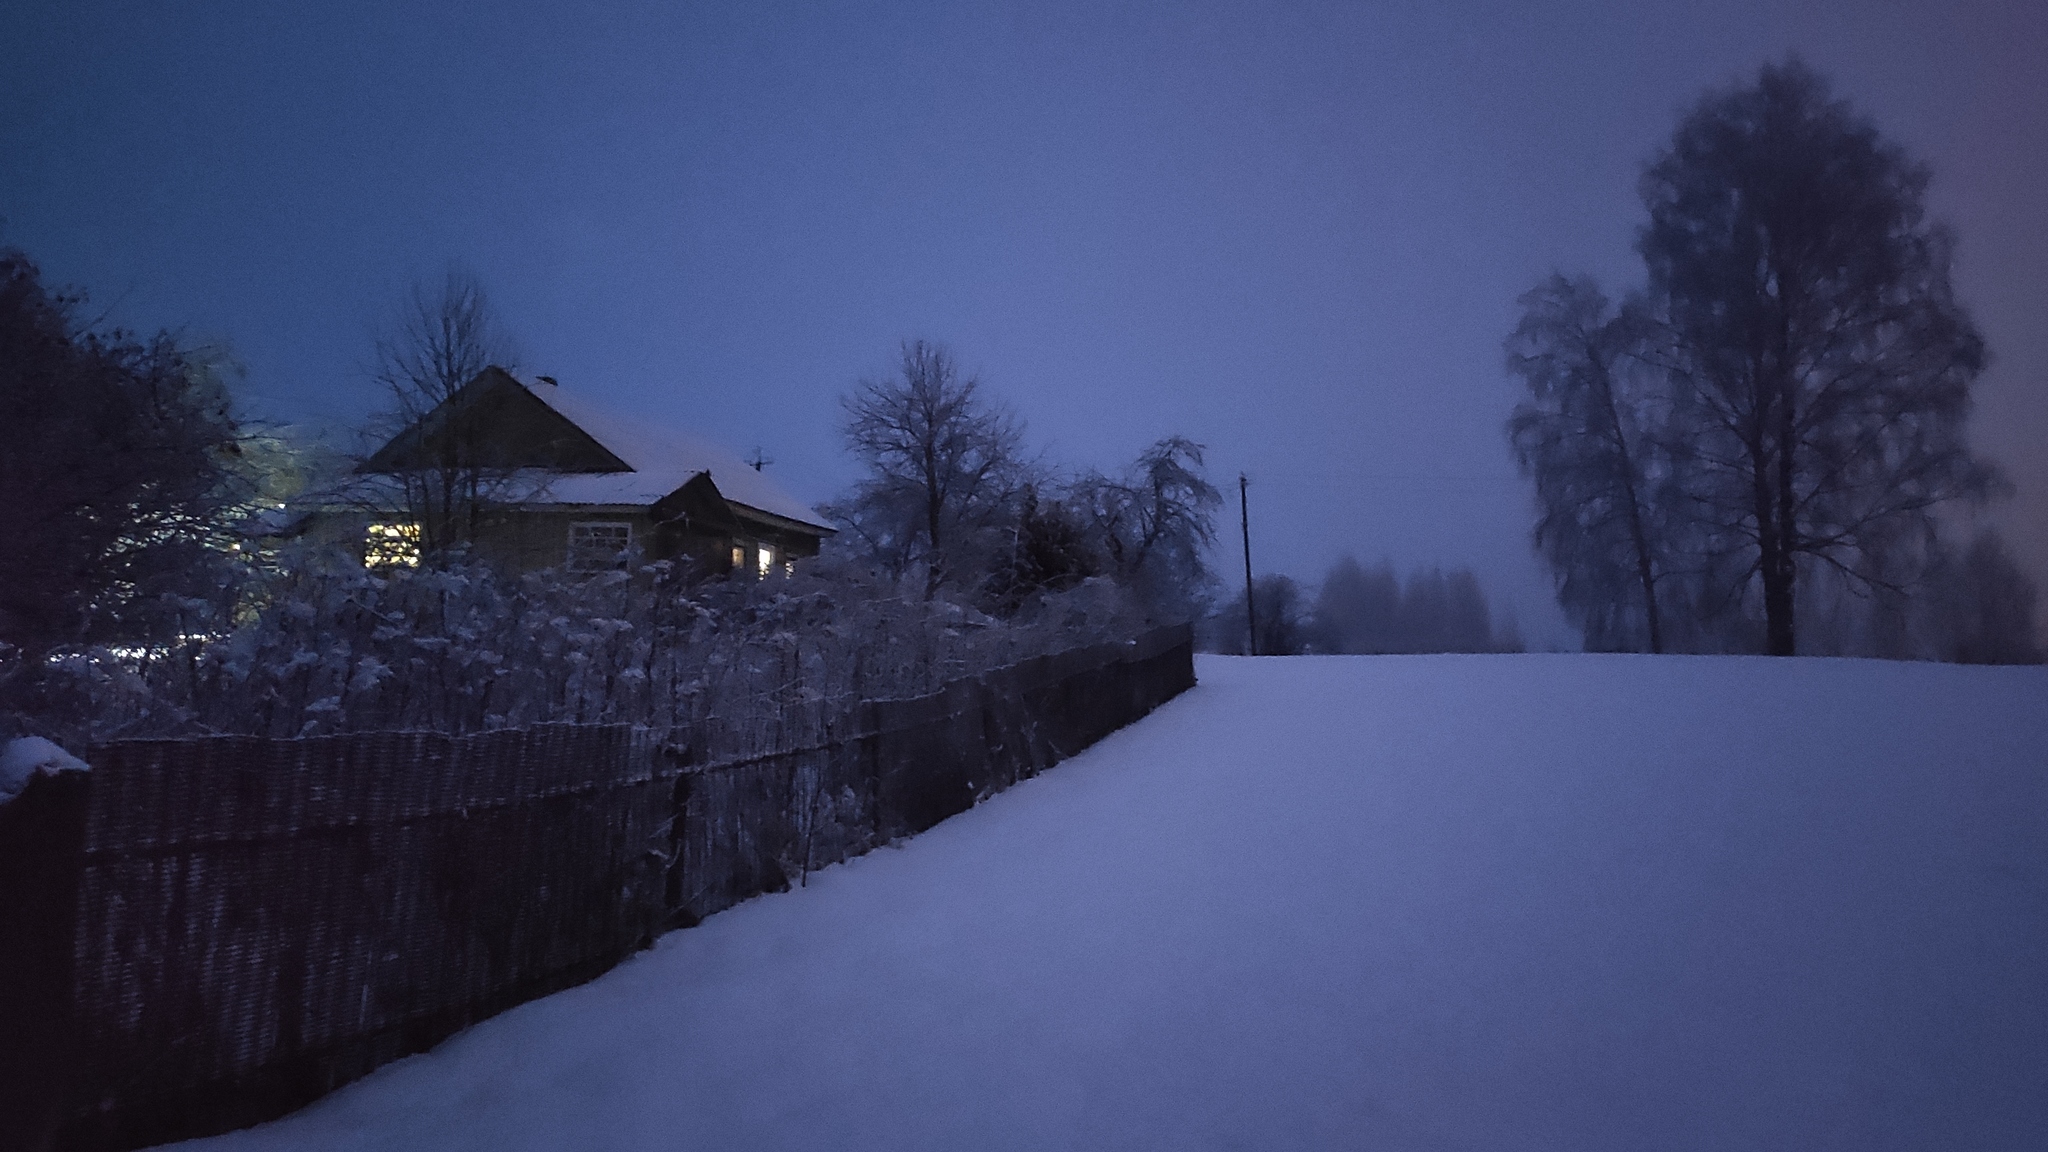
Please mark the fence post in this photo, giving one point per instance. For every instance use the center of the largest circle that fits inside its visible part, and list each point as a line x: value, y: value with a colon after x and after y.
x: 42, y: 858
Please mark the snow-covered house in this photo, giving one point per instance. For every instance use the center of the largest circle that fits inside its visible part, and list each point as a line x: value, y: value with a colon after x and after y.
x: 559, y: 480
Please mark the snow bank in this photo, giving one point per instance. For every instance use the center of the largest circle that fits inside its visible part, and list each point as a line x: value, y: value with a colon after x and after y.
x: 1578, y: 903
x: 24, y: 756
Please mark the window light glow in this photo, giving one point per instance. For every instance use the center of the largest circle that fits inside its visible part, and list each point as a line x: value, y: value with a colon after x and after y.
x: 393, y: 545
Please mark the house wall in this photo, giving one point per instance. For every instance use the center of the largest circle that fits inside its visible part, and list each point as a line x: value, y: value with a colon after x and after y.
x: 787, y: 544
x: 524, y: 541
x: 527, y: 540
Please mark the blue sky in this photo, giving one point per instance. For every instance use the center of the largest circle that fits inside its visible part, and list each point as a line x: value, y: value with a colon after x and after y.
x: 1294, y: 232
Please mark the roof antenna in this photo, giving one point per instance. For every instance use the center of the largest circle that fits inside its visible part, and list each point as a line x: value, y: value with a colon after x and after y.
x: 547, y: 380
x: 759, y: 460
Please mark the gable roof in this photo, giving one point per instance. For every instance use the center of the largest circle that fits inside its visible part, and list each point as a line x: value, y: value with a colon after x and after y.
x: 497, y: 423
x: 570, y: 449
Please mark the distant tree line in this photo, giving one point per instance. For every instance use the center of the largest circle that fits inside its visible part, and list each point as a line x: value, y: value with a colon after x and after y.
x: 1366, y: 611
x: 1762, y: 449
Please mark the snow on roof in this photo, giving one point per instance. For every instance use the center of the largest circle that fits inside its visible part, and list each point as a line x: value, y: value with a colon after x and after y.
x: 662, y: 461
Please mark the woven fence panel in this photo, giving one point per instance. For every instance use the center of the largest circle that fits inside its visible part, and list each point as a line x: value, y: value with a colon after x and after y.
x: 897, y: 767
x: 245, y: 924
x: 263, y: 920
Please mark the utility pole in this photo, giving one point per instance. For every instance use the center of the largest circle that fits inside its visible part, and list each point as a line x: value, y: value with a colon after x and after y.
x: 1244, y: 519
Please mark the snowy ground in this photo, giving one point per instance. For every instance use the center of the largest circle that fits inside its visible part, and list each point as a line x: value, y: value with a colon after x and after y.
x: 1457, y: 902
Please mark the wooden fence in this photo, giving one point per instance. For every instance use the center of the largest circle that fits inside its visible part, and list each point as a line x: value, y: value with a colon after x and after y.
x: 202, y: 934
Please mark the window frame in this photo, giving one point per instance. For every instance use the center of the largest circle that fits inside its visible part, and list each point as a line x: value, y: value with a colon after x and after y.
x: 580, y: 560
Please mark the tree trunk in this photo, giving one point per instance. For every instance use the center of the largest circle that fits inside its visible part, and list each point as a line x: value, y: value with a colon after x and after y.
x: 1780, y: 638
x: 934, y: 573
x: 1772, y: 559
x: 1648, y: 579
x: 1778, y: 596
x: 1638, y: 535
x: 1773, y: 480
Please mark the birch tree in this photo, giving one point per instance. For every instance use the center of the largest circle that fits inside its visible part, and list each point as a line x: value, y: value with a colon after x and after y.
x: 1812, y: 340
x: 1581, y: 437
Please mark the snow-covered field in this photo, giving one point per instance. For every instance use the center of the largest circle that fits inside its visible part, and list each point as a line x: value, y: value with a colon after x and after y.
x: 1451, y: 902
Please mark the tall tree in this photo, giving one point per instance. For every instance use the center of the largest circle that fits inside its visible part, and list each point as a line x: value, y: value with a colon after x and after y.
x: 121, y: 480
x: 1581, y: 436
x: 1818, y: 356
x: 441, y: 339
x: 944, y: 467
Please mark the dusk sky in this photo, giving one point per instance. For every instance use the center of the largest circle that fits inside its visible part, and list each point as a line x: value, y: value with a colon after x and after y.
x: 1293, y: 232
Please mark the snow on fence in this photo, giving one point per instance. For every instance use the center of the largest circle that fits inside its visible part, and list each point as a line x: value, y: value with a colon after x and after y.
x: 204, y: 933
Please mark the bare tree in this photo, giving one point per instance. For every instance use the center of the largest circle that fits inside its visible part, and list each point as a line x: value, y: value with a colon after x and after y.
x: 439, y: 342
x: 1819, y: 361
x: 1155, y: 523
x: 944, y: 468
x: 1581, y: 436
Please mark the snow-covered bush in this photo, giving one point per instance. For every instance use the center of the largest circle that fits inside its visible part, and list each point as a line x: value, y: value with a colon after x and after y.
x: 748, y: 666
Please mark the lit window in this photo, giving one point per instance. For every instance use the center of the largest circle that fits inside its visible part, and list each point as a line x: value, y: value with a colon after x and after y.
x: 595, y: 545
x: 739, y: 557
x: 391, y: 546
x: 766, y: 560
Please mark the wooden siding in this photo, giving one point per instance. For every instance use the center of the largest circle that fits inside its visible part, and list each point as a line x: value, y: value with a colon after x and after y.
x: 527, y: 540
